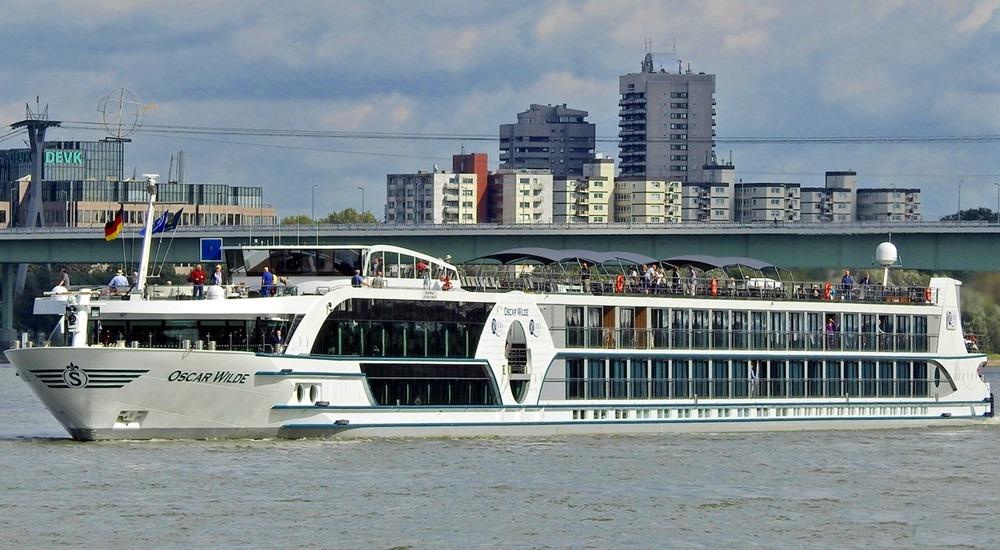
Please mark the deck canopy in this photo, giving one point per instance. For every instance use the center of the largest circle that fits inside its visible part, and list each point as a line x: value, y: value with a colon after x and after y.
x: 705, y: 262
x: 547, y: 256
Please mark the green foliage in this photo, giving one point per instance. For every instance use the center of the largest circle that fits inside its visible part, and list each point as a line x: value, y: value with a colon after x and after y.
x: 349, y: 215
x: 973, y: 214
x: 298, y: 219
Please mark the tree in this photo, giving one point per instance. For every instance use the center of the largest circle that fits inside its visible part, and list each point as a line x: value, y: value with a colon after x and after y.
x: 980, y: 214
x: 349, y: 215
x: 298, y: 219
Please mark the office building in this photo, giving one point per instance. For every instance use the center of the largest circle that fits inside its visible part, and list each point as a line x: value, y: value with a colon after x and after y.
x: 558, y: 139
x: 436, y: 197
x: 520, y: 196
x: 666, y: 123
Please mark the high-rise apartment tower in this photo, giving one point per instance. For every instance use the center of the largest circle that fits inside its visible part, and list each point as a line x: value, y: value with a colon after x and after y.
x: 666, y: 122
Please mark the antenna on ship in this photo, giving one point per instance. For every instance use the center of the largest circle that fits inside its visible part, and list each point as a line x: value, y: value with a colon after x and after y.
x: 886, y: 256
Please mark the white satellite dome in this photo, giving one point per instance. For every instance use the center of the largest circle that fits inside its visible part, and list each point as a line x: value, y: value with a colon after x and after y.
x: 886, y: 254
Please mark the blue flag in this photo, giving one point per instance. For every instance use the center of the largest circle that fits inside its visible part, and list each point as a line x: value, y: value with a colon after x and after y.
x: 174, y: 220
x: 159, y: 224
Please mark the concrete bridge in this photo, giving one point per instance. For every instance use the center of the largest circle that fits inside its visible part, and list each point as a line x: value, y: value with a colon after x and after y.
x: 936, y: 246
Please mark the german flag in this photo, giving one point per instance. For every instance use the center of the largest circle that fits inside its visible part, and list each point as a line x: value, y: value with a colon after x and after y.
x: 114, y: 227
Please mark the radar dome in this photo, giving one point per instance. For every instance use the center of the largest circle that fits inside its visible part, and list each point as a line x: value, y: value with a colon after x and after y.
x: 886, y: 254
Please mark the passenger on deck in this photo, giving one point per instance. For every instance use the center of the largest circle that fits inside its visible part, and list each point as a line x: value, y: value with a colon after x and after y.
x: 63, y: 278
x: 692, y: 281
x: 217, y: 276
x: 378, y: 281
x: 266, y: 282
x: 585, y: 277
x: 119, y: 283
x: 357, y: 281
x: 197, y: 280
x: 847, y: 284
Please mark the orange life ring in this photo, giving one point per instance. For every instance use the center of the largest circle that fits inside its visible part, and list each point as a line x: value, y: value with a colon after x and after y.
x: 928, y: 294
x: 620, y: 283
x: 714, y: 287
x: 827, y: 291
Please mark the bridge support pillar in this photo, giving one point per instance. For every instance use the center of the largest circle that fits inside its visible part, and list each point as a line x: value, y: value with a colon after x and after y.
x: 8, y: 278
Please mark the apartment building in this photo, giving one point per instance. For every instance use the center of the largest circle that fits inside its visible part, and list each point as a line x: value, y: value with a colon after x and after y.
x: 546, y: 137
x: 520, y: 196
x: 888, y: 205
x: 767, y: 202
x: 588, y: 198
x: 436, y: 197
x: 666, y: 123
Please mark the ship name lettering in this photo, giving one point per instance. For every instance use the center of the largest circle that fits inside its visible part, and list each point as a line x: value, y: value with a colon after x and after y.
x: 217, y: 377
x: 515, y: 311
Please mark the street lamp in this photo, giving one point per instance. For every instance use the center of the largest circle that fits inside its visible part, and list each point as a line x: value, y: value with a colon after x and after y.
x: 362, y: 199
x: 315, y: 223
x: 959, y: 217
x: 998, y: 201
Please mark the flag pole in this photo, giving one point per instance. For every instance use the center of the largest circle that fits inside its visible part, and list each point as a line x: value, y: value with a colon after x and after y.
x: 147, y: 239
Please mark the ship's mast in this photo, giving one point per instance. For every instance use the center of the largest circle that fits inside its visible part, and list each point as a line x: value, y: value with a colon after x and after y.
x: 147, y: 239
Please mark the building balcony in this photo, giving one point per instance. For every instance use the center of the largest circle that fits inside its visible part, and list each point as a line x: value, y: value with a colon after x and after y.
x: 636, y: 111
x: 625, y: 165
x: 632, y: 123
x: 626, y: 133
x: 632, y: 101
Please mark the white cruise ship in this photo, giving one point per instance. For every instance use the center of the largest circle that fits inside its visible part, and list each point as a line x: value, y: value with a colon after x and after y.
x: 511, y: 350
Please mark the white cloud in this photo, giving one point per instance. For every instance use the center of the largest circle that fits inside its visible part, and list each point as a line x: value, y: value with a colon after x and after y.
x: 979, y: 16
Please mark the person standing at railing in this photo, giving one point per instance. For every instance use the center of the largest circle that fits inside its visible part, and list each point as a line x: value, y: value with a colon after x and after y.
x: 197, y: 280
x: 847, y: 284
x: 266, y: 282
x: 217, y: 276
x: 831, y: 333
x: 118, y: 283
x: 585, y: 277
x: 863, y: 285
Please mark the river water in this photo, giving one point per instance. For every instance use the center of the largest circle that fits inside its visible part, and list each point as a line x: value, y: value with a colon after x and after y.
x: 889, y: 488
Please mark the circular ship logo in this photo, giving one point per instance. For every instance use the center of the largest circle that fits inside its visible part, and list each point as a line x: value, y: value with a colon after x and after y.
x: 75, y: 377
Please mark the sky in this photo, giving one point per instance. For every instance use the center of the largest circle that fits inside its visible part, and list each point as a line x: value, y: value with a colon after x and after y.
x: 785, y: 68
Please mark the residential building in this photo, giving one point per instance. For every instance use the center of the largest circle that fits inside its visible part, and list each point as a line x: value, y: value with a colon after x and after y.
x: 478, y: 164
x: 558, y: 139
x: 648, y: 201
x: 835, y: 202
x: 888, y: 205
x: 588, y: 198
x: 767, y: 202
x: 436, y: 197
x: 520, y: 196
x: 706, y: 202
x: 666, y: 123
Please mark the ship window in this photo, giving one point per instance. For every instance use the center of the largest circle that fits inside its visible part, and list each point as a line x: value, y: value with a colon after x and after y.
x: 618, y: 379
x: 796, y: 379
x: 640, y: 379
x: 574, y: 379
x: 597, y: 379
x: 574, y: 327
x: 868, y: 379
x: 699, y: 377
x: 661, y: 377
x: 885, y: 379
x: 814, y: 386
x: 402, y: 328
x: 740, y: 332
x: 680, y: 379
x: 415, y: 384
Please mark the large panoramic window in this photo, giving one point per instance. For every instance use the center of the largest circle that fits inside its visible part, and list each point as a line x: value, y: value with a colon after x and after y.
x: 402, y: 328
x: 414, y: 384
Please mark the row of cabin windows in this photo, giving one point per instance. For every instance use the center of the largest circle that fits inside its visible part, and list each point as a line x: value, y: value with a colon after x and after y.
x: 397, y: 338
x: 643, y: 378
x: 662, y: 328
